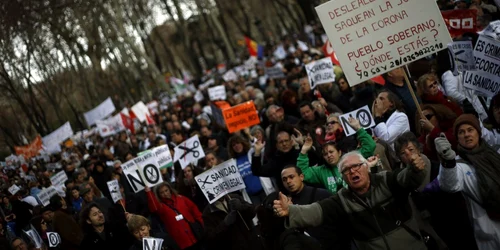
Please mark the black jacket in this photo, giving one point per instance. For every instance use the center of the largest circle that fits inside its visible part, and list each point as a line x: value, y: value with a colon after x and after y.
x: 117, y: 236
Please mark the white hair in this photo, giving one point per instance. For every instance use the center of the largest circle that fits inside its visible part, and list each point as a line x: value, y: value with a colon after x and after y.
x: 356, y: 153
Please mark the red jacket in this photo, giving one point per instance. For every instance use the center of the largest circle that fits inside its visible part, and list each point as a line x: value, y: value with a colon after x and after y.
x: 440, y: 98
x: 180, y: 230
x: 428, y: 142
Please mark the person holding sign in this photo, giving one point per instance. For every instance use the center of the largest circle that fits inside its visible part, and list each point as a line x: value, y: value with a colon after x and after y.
x: 328, y: 175
x: 140, y: 227
x: 390, y: 119
x: 179, y: 215
x: 428, y: 90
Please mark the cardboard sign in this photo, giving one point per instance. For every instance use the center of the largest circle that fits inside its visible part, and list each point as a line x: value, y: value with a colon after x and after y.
x: 149, y: 243
x: 14, y: 189
x: 162, y: 155
x: 149, y: 169
x: 377, y: 36
x: 35, y: 237
x: 320, y: 72
x: 486, y: 80
x: 463, y: 59
x: 275, y: 72
x: 230, y: 76
x: 217, y: 93
x: 460, y: 22
x: 59, y: 178
x: 241, y: 116
x: 114, y: 190
x: 52, y: 140
x: 188, y: 151
x: 100, y: 112
x: 131, y: 172
x: 220, y: 180
x: 363, y: 114
x: 30, y: 150
x: 54, y: 239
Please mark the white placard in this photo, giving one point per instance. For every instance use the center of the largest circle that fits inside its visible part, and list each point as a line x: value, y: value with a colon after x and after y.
x: 320, y: 72
x: 463, y: 59
x: 302, y: 45
x: 131, y: 172
x: 52, y: 140
x: 198, y: 97
x: 230, y: 76
x: 33, y: 234
x: 149, y: 243
x: 114, y: 190
x: 163, y: 156
x: 140, y: 110
x: 372, y: 37
x: 220, y: 180
x: 486, y: 80
x: 217, y: 93
x: 14, y: 189
x: 149, y: 169
x: 207, y: 84
x: 280, y: 53
x: 275, y: 72
x: 110, y: 126
x: 153, y: 107
x: 100, y: 112
x: 54, y: 239
x: 363, y: 114
x: 188, y: 151
x: 59, y: 178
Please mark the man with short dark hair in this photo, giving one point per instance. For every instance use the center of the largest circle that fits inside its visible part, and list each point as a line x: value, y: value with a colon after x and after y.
x: 311, y: 121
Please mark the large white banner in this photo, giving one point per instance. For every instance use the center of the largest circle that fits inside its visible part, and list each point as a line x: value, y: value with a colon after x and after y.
x: 320, y: 72
x: 52, y: 140
x: 220, y: 180
x: 110, y: 126
x: 100, y: 112
x: 486, y: 80
x: 217, y: 93
x: 372, y: 37
x: 188, y: 151
x: 140, y: 110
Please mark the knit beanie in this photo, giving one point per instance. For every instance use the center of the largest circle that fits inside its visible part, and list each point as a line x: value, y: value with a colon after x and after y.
x: 466, y: 119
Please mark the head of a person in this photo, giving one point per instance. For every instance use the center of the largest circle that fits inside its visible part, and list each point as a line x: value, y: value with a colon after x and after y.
x: 292, y: 178
x: 467, y: 130
x: 307, y: 111
x: 164, y: 191
x: 407, y: 145
x: 494, y: 111
x: 237, y: 145
x: 87, y: 194
x: 275, y: 113
x: 206, y: 131
x: 331, y: 153
x: 318, y: 107
x: 396, y: 75
x: 18, y: 244
x: 57, y: 202
x: 439, y: 115
x: 284, y: 142
x: 47, y: 213
x: 152, y: 136
x: 123, y: 136
x: 305, y: 87
x: 92, y: 217
x: 343, y: 84
x: 139, y: 226
x: 258, y: 133
x: 75, y: 193
x: 333, y: 123
x: 177, y: 137
x: 354, y: 169
x: 188, y: 172
x: 177, y: 125
x: 428, y: 85
x: 5, y: 200
x: 212, y: 142
x: 210, y: 160
x: 461, y: 4
x: 389, y: 100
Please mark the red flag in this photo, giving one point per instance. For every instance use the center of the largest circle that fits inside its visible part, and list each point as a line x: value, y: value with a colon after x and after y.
x: 328, y: 51
x: 149, y: 119
x: 128, y: 122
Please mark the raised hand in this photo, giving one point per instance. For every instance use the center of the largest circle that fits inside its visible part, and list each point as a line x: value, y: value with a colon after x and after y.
x: 307, y: 145
x: 443, y: 148
x: 258, y: 146
x: 417, y: 161
x: 299, y: 139
x: 372, y: 161
x: 354, y: 123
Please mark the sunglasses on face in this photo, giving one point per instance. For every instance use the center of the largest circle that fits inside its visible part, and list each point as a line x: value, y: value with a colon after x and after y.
x: 331, y: 123
x: 429, y: 116
x: 433, y: 84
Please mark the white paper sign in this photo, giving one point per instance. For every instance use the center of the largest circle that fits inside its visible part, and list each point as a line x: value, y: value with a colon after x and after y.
x: 14, y: 189
x: 153, y: 107
x: 376, y: 36
x: 274, y: 72
x: 149, y: 243
x: 59, y: 178
x: 149, y: 169
x: 140, y: 110
x: 320, y: 72
x: 217, y: 93
x: 54, y: 239
x: 207, y: 84
x: 114, y: 190
x: 188, y: 151
x: 462, y: 56
x: 230, y: 76
x: 220, y: 180
x: 198, y: 97
x: 52, y: 140
x: 163, y: 156
x: 131, y: 172
x: 363, y: 114
x: 110, y: 126
x: 486, y: 80
x: 35, y: 237
x: 100, y: 112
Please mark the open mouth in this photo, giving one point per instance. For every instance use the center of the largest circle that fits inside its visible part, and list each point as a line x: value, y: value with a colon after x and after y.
x: 355, y: 178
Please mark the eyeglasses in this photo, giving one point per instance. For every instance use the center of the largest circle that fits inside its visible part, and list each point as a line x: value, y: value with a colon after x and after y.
x: 433, y: 84
x: 331, y: 123
x: 429, y: 116
x: 353, y: 168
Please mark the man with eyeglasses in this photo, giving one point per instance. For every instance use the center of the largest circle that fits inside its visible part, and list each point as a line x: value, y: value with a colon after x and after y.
x: 375, y: 208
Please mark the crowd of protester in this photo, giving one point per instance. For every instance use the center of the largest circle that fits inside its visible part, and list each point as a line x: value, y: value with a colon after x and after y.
x: 413, y: 181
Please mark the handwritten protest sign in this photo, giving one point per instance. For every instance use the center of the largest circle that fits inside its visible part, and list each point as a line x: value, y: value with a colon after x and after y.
x: 364, y: 116
x: 240, y: 116
x: 110, y: 126
x: 207, y: 84
x: 275, y: 72
x: 188, y: 151
x: 30, y: 150
x: 486, y: 80
x: 114, y: 190
x: 100, y: 112
x: 45, y: 195
x: 163, y: 157
x: 217, y: 93
x: 320, y: 72
x: 14, y: 189
x: 230, y: 76
x: 220, y: 180
x: 462, y: 56
x: 373, y: 37
x: 59, y: 178
x: 52, y: 140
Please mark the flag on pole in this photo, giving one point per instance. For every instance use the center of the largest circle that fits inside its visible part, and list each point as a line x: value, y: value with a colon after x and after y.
x: 254, y: 49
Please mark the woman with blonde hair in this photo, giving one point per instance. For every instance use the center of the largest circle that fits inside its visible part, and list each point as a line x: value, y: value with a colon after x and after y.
x: 428, y: 88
